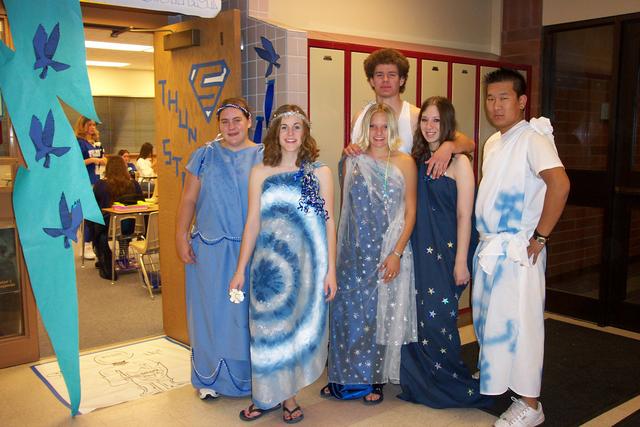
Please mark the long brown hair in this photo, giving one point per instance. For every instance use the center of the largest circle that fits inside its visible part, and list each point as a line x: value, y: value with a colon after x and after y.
x: 273, y: 152
x: 117, y: 177
x: 420, y: 151
x: 146, y: 150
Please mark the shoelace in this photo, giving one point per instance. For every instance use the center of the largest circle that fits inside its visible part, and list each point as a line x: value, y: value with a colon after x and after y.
x: 515, y: 411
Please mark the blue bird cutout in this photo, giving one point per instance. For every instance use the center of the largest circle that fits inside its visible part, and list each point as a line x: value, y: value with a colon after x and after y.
x: 70, y: 221
x: 45, y: 47
x: 268, y: 53
x: 42, y: 139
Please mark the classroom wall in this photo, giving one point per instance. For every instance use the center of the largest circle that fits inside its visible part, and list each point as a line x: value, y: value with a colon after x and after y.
x: 116, y: 82
x: 561, y: 11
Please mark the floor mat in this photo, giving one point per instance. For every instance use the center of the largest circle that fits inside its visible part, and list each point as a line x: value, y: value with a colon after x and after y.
x: 586, y: 373
x: 124, y: 373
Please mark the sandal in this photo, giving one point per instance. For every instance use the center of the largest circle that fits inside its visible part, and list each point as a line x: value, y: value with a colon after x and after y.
x: 325, y: 392
x: 253, y: 408
x: 290, y: 412
x: 377, y: 391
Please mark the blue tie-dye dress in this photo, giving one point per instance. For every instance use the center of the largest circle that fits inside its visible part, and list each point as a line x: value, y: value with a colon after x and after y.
x: 288, y: 312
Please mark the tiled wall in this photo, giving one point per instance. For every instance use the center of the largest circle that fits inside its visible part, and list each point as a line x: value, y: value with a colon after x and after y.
x: 291, y: 78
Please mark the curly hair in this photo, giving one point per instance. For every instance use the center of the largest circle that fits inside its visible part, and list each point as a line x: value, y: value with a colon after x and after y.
x: 117, y: 177
x: 420, y: 151
x: 273, y: 152
x: 387, y: 56
x: 393, y: 138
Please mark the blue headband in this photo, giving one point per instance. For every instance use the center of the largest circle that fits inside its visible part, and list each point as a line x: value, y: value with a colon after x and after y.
x: 246, y: 112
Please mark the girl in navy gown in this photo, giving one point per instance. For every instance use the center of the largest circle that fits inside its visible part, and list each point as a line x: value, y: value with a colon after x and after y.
x: 432, y: 371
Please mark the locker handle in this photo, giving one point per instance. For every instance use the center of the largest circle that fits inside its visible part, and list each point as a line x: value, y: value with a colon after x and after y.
x: 327, y: 58
x: 465, y: 72
x: 434, y: 68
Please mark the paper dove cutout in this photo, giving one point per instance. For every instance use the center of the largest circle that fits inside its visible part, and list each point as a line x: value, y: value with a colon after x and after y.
x: 70, y: 221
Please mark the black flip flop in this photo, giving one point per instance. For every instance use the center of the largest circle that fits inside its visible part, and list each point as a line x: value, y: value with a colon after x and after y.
x: 377, y: 390
x: 254, y: 408
x: 292, y: 420
x: 325, y: 392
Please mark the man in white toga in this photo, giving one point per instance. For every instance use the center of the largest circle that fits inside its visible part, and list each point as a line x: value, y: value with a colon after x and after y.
x: 522, y: 194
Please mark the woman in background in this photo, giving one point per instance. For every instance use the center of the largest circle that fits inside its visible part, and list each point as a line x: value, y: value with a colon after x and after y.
x: 145, y: 163
x: 293, y: 266
x: 93, y: 155
x: 432, y: 371
x: 215, y: 191
x: 131, y: 168
x: 116, y: 186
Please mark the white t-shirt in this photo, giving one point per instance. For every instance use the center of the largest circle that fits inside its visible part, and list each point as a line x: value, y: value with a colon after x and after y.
x: 144, y: 168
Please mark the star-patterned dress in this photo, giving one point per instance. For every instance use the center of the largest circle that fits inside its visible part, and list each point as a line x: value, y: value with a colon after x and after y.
x: 432, y: 371
x: 370, y: 320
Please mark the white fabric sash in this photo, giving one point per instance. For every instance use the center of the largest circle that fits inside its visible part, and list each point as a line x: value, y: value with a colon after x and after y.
x: 514, y: 246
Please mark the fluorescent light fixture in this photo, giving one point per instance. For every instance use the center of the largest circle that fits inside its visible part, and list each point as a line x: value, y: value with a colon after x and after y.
x: 106, y: 64
x: 90, y: 44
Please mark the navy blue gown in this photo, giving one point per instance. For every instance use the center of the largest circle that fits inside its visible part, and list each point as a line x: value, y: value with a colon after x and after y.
x: 432, y: 371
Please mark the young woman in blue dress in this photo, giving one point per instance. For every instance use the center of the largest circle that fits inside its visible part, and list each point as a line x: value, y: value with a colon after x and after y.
x: 215, y: 193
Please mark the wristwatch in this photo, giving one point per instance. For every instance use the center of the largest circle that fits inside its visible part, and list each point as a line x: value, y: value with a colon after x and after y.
x: 540, y: 238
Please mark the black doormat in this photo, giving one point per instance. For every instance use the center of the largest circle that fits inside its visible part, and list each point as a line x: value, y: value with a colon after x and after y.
x: 586, y: 373
x: 632, y: 420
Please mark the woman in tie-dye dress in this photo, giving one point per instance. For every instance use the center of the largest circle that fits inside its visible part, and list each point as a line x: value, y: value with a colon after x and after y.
x: 292, y: 273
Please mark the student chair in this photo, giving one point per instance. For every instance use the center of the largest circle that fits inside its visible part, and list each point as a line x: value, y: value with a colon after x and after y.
x: 147, y: 253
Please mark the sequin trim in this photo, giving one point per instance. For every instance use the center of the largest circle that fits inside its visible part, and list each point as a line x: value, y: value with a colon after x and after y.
x: 310, y: 191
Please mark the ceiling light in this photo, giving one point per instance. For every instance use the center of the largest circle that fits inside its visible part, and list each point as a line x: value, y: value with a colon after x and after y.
x: 90, y: 44
x: 106, y: 64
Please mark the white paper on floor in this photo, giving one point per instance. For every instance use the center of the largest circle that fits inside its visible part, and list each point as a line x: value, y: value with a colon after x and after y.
x: 120, y: 374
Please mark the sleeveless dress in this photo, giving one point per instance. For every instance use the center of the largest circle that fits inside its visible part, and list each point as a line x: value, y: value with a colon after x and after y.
x: 288, y: 312
x: 432, y: 371
x: 219, y: 329
x: 370, y: 320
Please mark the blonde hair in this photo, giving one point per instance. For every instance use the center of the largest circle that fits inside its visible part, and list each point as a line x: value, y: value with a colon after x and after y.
x: 393, y: 137
x: 80, y: 131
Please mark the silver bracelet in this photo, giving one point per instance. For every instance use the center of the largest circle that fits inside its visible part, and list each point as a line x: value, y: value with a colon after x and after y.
x: 396, y: 253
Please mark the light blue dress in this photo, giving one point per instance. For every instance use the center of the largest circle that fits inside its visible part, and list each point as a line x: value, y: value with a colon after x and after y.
x: 288, y: 312
x: 218, y: 328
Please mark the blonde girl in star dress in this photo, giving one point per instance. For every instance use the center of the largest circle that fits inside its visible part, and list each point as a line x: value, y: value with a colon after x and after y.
x: 374, y: 314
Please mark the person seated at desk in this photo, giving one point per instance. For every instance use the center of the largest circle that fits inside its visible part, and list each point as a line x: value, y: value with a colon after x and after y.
x: 131, y: 168
x: 145, y: 162
x: 116, y: 186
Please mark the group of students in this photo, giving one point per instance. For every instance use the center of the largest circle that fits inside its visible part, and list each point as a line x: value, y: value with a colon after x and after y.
x: 118, y: 185
x: 273, y: 293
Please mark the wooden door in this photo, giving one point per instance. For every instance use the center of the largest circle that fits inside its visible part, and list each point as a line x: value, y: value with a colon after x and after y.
x: 190, y: 82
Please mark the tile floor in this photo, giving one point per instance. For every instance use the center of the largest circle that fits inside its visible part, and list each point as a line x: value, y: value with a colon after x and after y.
x: 26, y: 402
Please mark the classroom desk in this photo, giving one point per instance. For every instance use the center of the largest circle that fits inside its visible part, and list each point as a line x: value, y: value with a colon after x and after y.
x: 113, y: 215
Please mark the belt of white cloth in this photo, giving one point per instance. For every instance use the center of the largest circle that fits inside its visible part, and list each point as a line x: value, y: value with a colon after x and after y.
x: 494, y: 247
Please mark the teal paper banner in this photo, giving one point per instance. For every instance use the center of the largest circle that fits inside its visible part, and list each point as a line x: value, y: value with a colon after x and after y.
x: 49, y: 63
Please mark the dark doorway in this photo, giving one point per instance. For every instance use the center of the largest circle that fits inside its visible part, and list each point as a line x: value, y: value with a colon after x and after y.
x: 591, y: 94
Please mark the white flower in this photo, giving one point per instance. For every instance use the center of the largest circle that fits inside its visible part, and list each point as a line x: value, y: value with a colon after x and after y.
x: 236, y: 296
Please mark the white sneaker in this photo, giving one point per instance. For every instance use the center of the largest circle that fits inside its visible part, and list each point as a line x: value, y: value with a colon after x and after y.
x: 88, y: 252
x: 520, y: 414
x: 207, y: 392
